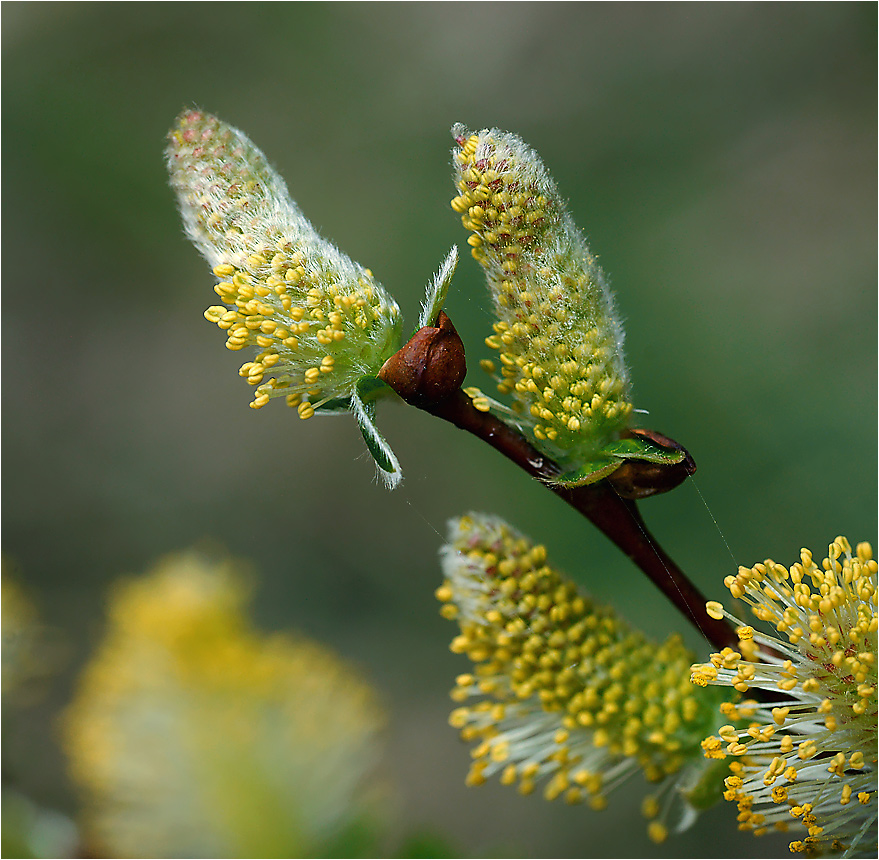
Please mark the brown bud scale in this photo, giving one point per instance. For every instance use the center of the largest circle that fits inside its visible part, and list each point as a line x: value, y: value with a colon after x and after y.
x: 640, y: 479
x: 430, y: 367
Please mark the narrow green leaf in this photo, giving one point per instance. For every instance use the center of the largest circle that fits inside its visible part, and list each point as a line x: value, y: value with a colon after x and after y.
x: 589, y: 473
x: 386, y: 461
x: 642, y: 449
x: 438, y: 289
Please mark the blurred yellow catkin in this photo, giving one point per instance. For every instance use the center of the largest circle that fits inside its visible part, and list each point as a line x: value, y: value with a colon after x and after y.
x: 193, y: 735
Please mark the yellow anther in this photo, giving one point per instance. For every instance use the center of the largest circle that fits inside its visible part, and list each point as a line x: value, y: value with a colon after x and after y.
x: 780, y: 715
x: 807, y: 749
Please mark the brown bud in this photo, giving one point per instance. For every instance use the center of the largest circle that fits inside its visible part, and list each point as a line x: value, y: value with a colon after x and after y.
x: 430, y: 367
x: 638, y: 479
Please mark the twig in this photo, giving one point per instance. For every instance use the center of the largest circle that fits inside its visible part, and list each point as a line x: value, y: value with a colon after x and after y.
x: 427, y: 372
x: 616, y: 517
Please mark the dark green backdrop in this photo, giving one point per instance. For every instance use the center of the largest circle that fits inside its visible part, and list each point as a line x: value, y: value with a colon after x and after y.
x: 720, y: 157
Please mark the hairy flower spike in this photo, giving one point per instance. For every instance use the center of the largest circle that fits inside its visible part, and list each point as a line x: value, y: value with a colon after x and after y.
x: 567, y: 691
x: 318, y: 321
x: 193, y: 735
x: 808, y: 755
x: 558, y: 338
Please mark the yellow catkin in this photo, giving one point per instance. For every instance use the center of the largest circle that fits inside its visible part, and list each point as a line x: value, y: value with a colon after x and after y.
x: 549, y: 663
x: 186, y: 715
x: 824, y: 615
x: 556, y: 319
x: 289, y: 294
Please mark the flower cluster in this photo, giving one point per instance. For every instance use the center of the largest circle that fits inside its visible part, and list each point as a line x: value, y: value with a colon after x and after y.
x: 809, y: 752
x: 192, y: 735
x: 568, y: 692
x: 558, y: 338
x: 317, y: 320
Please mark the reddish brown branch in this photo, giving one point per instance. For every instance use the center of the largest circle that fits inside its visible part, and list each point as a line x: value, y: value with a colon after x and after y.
x: 618, y: 518
x: 428, y: 371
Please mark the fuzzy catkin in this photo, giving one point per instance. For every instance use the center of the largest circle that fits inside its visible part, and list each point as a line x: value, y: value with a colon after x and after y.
x: 557, y: 334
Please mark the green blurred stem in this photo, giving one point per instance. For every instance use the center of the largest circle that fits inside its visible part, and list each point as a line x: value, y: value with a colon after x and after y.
x: 618, y: 518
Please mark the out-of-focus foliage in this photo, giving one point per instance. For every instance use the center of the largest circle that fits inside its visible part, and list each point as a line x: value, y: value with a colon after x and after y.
x: 30, y: 831
x: 21, y: 638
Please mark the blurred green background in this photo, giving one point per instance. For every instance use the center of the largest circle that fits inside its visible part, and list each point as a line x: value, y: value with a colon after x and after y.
x: 720, y: 157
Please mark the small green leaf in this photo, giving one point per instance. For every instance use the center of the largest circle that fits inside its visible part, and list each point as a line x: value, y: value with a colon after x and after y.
x: 589, y: 473
x: 377, y: 448
x: 613, y: 455
x: 364, y: 411
x: 437, y: 290
x: 635, y: 448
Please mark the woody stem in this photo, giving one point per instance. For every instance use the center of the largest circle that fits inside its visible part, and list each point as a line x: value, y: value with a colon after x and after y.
x: 618, y: 518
